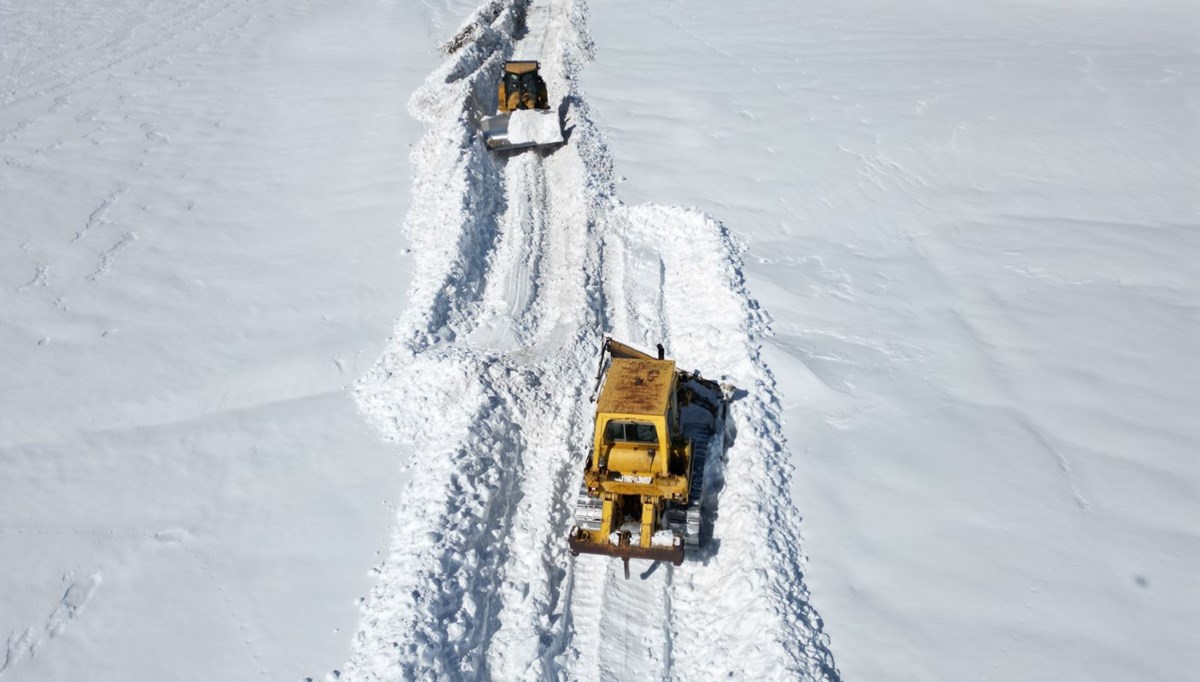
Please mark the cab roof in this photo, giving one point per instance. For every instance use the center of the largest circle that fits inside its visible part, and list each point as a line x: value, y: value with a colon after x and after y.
x: 520, y: 67
x: 635, y: 386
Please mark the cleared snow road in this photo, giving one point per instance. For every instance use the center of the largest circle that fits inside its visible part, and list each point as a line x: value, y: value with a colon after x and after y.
x: 523, y: 262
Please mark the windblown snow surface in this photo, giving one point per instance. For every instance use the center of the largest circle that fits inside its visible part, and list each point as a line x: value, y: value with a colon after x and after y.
x: 192, y: 195
x: 975, y: 227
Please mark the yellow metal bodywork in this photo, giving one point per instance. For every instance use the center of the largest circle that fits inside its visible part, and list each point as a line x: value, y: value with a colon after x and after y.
x: 510, y: 97
x: 640, y: 461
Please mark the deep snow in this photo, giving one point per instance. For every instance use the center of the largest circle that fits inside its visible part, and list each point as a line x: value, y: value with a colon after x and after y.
x: 946, y: 250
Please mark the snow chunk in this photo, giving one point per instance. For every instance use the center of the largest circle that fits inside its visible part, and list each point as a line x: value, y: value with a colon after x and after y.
x: 528, y: 125
x: 662, y: 538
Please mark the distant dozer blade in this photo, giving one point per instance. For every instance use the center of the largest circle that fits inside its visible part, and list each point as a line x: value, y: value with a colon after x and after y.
x: 521, y: 129
x: 495, y: 131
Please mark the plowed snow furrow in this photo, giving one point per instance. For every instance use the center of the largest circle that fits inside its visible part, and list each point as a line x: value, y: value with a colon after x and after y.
x: 523, y: 261
x: 481, y: 294
x: 754, y: 575
x: 530, y: 639
x: 508, y: 298
x: 634, y: 642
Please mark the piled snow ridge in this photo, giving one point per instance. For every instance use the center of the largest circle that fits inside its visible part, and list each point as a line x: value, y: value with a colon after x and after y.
x: 527, y: 125
x: 453, y: 580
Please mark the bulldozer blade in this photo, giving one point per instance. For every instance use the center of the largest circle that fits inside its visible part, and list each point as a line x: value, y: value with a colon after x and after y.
x: 672, y: 554
x: 537, y: 129
x: 495, y: 131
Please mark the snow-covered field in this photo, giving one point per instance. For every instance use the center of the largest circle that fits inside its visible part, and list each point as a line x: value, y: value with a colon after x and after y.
x: 975, y: 227
x: 199, y: 251
x: 945, y: 250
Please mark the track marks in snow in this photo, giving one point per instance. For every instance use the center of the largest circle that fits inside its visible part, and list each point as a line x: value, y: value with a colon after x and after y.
x: 634, y: 638
x: 515, y: 262
x: 453, y: 222
x: 109, y: 256
x: 431, y: 612
x: 524, y: 260
x: 41, y: 277
x: 489, y: 434
x: 97, y: 215
x: 531, y: 598
x: 477, y: 548
x: 28, y: 643
x: 15, y: 131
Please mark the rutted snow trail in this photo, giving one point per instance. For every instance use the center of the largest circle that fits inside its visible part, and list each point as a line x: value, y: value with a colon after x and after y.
x: 523, y: 261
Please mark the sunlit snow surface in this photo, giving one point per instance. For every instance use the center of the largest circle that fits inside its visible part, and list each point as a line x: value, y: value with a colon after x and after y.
x: 945, y: 250
x: 198, y: 253
x: 975, y: 228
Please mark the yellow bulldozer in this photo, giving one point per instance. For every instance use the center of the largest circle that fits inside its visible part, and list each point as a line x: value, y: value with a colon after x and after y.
x: 521, y: 87
x: 523, y: 115
x: 655, y: 428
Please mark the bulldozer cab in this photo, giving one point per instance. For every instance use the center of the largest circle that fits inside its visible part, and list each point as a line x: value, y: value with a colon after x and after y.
x: 522, y: 88
x: 630, y: 432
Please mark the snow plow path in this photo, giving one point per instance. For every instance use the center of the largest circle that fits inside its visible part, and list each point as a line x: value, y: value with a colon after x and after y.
x: 523, y: 261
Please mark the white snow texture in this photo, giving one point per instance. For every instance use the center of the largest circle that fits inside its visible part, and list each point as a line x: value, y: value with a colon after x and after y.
x: 944, y: 251
x: 527, y: 125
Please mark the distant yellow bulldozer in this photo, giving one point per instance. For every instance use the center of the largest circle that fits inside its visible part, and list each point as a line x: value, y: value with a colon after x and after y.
x: 523, y: 117
x: 643, y: 481
x: 521, y: 87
